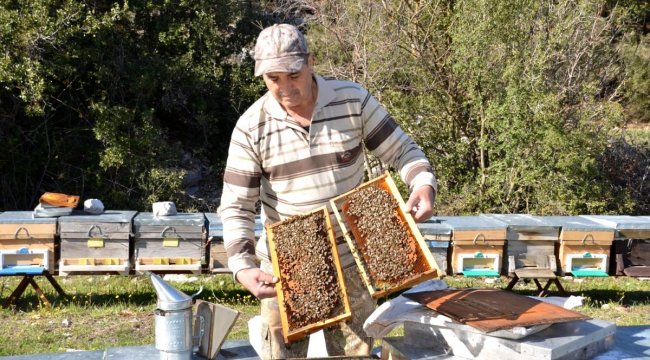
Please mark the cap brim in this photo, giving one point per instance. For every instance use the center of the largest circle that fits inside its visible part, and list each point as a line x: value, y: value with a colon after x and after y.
x: 289, y: 64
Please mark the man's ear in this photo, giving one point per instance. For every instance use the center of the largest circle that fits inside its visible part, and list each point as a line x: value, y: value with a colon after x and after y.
x: 310, y: 60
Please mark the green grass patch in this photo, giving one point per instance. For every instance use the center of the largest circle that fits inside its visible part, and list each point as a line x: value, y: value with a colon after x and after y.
x: 107, y: 311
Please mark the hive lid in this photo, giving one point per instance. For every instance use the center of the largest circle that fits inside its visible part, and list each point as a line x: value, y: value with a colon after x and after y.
x: 472, y: 223
x: 436, y: 227
x: 15, y: 217
x: 625, y: 225
x: 577, y: 223
x: 215, y: 226
x: 523, y: 222
x: 169, y: 298
x: 108, y: 216
x: 192, y: 219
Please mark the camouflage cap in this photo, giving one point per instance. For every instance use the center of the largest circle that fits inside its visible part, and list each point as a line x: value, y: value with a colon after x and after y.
x: 280, y: 48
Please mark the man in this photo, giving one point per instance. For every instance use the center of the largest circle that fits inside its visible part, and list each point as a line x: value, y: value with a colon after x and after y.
x: 294, y: 149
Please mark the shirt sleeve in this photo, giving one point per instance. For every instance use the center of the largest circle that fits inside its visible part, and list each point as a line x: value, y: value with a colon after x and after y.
x: 241, y: 190
x: 386, y: 140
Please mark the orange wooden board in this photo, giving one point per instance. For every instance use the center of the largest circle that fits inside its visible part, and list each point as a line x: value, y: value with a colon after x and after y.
x: 492, y: 309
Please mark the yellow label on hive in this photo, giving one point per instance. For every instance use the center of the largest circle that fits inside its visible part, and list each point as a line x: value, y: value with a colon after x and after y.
x: 170, y: 242
x: 160, y: 261
x: 95, y: 243
x: 87, y: 261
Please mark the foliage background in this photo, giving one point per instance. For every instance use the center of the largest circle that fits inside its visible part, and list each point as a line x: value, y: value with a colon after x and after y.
x: 522, y: 106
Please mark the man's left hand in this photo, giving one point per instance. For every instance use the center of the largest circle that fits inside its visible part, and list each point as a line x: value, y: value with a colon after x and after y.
x: 420, y: 203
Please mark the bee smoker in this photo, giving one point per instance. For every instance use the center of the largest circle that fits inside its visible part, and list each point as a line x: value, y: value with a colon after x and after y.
x: 173, y: 321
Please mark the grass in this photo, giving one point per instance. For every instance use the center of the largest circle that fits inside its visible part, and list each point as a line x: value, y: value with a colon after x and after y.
x: 107, y: 311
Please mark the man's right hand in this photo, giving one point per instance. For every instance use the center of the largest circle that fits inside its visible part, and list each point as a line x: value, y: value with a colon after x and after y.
x: 261, y: 284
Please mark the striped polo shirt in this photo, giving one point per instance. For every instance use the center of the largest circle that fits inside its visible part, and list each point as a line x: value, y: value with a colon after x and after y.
x: 293, y: 171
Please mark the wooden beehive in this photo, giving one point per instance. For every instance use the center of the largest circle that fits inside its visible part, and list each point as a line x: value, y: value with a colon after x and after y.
x: 174, y: 243
x: 311, y: 291
x: 585, y: 246
x: 530, y: 242
x: 631, y: 246
x: 437, y: 236
x: 477, y: 245
x: 384, y: 240
x: 20, y: 233
x: 96, y: 243
x: 218, y: 262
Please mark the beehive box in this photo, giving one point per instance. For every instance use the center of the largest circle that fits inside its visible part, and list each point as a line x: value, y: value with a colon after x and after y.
x: 174, y: 243
x: 585, y: 246
x: 20, y: 233
x: 477, y: 245
x: 384, y: 240
x: 437, y: 236
x: 311, y: 291
x: 530, y: 242
x: 631, y: 246
x: 96, y: 243
x: 218, y: 262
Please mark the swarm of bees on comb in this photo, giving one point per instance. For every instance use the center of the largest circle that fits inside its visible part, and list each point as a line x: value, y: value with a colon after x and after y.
x: 389, y: 253
x: 306, y: 264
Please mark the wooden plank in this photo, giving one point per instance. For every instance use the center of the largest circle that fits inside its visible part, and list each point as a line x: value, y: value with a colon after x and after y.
x: 599, y: 237
x: 530, y: 252
x: 95, y: 228
x: 548, y: 234
x: 153, y: 248
x: 78, y: 248
x: 27, y: 231
x: 157, y: 229
x: 527, y: 273
x: 218, y: 256
x: 82, y: 236
x: 493, y: 236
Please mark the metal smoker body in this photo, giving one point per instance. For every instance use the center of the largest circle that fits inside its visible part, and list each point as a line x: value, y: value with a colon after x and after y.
x: 173, y: 321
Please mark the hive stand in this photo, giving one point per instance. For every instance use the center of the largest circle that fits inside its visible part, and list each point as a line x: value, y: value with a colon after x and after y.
x: 28, y: 273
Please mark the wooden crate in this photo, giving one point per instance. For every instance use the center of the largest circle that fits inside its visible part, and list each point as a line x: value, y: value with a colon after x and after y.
x: 296, y: 257
x: 424, y: 266
x: 218, y: 262
x: 530, y: 242
x: 477, y: 245
x: 19, y: 230
x: 585, y: 247
x: 173, y: 243
x: 96, y: 243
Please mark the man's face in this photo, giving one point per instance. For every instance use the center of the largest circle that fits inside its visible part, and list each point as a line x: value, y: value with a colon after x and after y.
x: 292, y: 90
